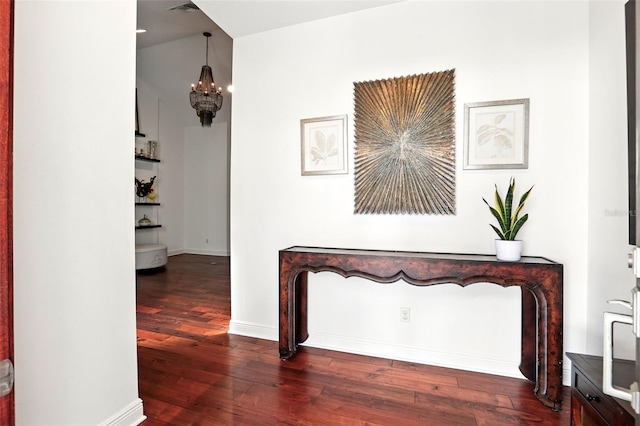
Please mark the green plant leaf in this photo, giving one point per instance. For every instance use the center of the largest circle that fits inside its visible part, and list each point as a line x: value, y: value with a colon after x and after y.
x: 500, y: 206
x: 521, y: 202
x: 508, y: 203
x: 500, y: 234
x: 496, y: 214
x: 518, y: 225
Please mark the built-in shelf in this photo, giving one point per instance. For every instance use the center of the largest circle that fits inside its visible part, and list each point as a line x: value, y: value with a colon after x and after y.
x: 147, y: 203
x: 152, y: 160
x: 148, y: 226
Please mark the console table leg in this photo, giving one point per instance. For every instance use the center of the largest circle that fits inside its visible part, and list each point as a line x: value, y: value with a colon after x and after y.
x: 287, y: 318
x: 549, y: 329
x: 529, y: 345
x: 293, y: 311
x: 550, y: 345
x: 302, y: 333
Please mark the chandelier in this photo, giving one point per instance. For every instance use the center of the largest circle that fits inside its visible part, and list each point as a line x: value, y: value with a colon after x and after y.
x: 206, y: 97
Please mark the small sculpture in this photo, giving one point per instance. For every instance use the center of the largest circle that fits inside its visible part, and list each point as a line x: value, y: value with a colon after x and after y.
x: 145, y: 221
x: 143, y: 188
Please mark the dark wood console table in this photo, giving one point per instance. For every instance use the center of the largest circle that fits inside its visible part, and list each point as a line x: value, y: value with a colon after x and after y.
x: 541, y: 359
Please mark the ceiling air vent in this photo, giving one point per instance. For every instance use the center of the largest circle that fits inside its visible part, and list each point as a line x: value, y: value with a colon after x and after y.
x: 185, y: 7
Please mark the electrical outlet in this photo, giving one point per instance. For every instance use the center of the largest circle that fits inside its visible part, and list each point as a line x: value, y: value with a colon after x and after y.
x: 405, y: 314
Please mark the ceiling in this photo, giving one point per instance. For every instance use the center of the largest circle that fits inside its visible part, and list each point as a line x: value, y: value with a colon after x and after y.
x: 164, y: 25
x: 237, y: 18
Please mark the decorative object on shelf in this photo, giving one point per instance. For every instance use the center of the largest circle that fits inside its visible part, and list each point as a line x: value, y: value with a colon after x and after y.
x: 143, y: 187
x: 138, y: 134
x: 405, y: 145
x: 206, y: 97
x: 496, y: 135
x: 152, y: 195
x: 324, y: 145
x: 153, y: 147
x: 145, y: 221
x: 507, y: 247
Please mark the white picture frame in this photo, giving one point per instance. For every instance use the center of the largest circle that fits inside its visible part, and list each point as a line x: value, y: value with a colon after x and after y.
x: 496, y: 135
x: 324, y: 145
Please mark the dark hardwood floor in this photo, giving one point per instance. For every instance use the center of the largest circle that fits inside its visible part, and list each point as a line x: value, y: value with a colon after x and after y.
x: 191, y: 372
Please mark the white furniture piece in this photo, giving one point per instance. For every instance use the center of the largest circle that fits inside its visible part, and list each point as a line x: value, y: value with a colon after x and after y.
x: 150, y: 256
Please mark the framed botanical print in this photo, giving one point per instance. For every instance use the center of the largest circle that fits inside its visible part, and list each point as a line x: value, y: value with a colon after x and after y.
x: 324, y: 145
x: 496, y: 135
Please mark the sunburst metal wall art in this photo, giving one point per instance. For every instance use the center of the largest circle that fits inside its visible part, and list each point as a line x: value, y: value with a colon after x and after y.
x: 405, y: 145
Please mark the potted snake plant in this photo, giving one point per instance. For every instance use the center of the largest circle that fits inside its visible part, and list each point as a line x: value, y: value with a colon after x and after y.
x: 509, y: 221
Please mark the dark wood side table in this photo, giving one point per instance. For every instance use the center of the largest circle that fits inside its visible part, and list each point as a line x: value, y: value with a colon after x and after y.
x: 541, y: 304
x: 589, y: 405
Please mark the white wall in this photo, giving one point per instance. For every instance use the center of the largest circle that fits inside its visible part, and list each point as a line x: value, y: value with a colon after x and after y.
x: 500, y: 50
x: 171, y: 142
x: 206, y: 190
x: 74, y: 300
x: 193, y: 187
x: 608, y: 275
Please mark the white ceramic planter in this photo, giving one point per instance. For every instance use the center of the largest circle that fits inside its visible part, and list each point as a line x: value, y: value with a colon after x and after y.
x: 509, y: 250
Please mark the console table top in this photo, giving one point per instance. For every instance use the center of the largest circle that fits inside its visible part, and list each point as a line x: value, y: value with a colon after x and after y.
x: 421, y: 255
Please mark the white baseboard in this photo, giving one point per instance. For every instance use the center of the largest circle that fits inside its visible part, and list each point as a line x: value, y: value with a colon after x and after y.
x: 461, y: 361
x: 131, y: 415
x: 199, y: 251
x: 207, y: 252
x: 496, y: 366
x: 253, y: 330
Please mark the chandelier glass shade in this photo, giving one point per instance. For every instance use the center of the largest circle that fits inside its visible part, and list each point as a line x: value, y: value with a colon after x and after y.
x: 205, y: 96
